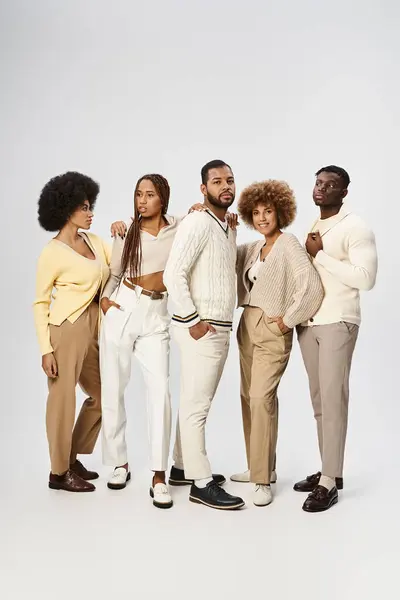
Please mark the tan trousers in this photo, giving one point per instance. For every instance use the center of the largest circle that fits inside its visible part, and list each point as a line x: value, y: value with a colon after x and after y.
x: 327, y: 353
x: 77, y: 355
x: 264, y: 355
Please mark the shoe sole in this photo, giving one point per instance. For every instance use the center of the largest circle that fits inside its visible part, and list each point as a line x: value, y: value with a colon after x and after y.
x: 197, y: 501
x: 321, y: 509
x: 179, y: 483
x: 248, y: 480
x: 119, y: 486
x: 261, y: 505
x: 312, y: 489
x: 160, y: 504
x: 56, y: 486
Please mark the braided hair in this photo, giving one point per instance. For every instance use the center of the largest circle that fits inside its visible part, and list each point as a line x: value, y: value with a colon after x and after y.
x: 132, y: 253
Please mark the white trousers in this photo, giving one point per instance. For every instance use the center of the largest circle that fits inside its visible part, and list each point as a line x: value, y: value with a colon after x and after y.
x: 202, y: 364
x: 140, y: 329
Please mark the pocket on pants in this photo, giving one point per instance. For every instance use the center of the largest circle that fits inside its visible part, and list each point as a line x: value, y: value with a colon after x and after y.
x: 350, y: 327
x: 273, y: 327
x: 204, y: 337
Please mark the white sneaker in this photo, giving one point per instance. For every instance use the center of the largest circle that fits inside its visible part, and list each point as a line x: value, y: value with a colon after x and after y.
x: 245, y: 477
x: 118, y: 479
x: 262, y: 495
x: 161, y: 496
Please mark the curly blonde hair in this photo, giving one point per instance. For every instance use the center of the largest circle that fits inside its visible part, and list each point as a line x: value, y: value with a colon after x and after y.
x: 269, y: 193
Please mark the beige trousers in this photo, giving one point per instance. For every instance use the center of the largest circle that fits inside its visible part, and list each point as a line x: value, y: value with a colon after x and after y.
x: 202, y: 364
x: 77, y: 355
x: 327, y: 353
x: 264, y: 355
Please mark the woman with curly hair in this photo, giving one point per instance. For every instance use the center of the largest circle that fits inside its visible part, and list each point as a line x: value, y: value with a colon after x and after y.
x: 278, y: 288
x: 76, y: 265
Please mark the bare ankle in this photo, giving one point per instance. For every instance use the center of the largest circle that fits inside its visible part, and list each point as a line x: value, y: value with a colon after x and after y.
x: 158, y: 477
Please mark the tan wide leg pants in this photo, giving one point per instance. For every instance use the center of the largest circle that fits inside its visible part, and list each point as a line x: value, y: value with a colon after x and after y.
x: 264, y: 355
x: 76, y: 352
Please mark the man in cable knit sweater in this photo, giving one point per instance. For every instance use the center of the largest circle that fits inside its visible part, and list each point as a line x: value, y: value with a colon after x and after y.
x: 201, y: 280
x: 344, y: 253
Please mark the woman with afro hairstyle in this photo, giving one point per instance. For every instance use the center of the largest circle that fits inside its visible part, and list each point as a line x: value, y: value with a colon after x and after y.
x: 76, y: 265
x: 278, y: 288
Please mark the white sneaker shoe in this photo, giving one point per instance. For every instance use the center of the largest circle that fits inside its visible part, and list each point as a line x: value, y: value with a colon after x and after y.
x: 118, y: 479
x: 262, y: 495
x: 161, y: 496
x: 245, y: 477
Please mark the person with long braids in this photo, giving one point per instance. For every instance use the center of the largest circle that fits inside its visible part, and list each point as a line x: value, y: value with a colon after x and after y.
x: 71, y: 273
x: 134, y: 301
x: 136, y: 322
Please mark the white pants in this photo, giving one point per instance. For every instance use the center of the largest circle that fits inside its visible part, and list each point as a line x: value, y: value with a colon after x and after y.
x: 202, y: 364
x: 140, y: 329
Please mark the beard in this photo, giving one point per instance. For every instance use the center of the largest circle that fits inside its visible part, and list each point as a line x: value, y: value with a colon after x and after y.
x: 218, y: 203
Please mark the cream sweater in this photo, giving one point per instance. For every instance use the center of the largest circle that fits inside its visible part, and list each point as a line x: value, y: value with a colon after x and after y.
x: 200, y: 273
x: 286, y: 285
x: 347, y: 264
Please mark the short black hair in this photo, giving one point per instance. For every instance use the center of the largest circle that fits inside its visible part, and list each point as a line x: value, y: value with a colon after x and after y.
x: 338, y: 171
x: 62, y: 196
x: 213, y: 164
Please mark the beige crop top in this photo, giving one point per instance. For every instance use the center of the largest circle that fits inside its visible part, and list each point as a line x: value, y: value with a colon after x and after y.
x: 155, y: 253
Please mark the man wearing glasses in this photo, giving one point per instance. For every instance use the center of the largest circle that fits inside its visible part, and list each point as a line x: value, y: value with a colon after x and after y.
x: 343, y: 251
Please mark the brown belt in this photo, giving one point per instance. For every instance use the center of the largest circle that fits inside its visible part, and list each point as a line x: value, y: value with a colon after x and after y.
x: 153, y: 295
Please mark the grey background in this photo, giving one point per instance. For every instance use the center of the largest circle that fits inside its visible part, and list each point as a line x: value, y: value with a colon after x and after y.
x: 275, y: 89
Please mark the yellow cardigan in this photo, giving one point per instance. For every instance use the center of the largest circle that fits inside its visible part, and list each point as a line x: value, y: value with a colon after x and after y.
x: 75, y: 279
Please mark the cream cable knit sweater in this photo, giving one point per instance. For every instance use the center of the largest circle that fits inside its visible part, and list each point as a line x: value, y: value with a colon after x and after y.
x: 200, y: 275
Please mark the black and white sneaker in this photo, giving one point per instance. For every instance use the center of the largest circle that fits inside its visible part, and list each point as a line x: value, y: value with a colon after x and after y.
x: 177, y: 477
x: 215, y: 497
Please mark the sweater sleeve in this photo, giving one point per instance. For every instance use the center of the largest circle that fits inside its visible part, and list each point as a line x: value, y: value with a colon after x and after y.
x: 240, y: 258
x: 360, y: 270
x: 46, y: 275
x: 191, y: 237
x: 115, y: 267
x: 309, y: 293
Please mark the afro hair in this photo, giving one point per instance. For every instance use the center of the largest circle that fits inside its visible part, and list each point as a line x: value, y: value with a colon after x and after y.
x: 62, y: 196
x: 269, y: 193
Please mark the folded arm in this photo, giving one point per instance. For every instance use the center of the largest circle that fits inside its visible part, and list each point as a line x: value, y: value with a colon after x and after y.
x: 361, y: 269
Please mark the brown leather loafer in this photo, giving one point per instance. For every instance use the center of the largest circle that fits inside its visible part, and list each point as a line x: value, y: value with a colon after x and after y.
x: 320, y: 499
x: 82, y: 471
x: 70, y: 482
x: 311, y: 481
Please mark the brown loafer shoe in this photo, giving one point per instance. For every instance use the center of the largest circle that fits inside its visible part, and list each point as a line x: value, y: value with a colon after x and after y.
x: 311, y: 481
x: 70, y: 482
x: 320, y: 499
x: 82, y: 471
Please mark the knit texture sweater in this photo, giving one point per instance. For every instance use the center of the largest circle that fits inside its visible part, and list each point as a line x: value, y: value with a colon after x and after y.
x: 347, y: 264
x: 286, y: 285
x: 200, y: 274
x: 66, y: 283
